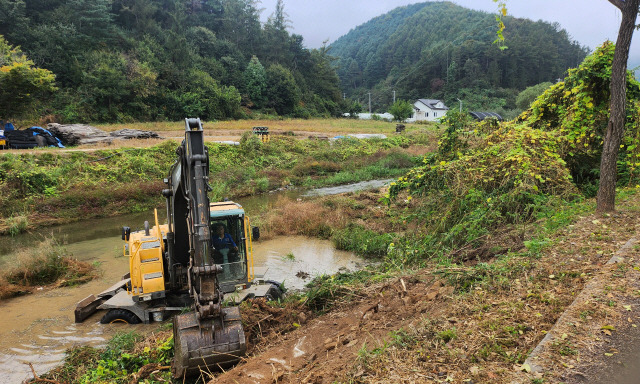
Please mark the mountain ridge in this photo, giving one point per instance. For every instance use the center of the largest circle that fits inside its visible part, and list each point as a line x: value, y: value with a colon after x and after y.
x: 442, y: 50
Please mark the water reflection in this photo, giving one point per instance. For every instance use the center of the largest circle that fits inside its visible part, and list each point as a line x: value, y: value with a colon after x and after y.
x: 38, y: 328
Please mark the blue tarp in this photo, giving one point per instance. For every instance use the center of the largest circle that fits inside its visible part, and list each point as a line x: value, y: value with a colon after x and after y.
x: 40, y: 130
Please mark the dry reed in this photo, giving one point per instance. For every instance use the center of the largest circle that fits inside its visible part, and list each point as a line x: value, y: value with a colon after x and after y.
x: 46, y: 264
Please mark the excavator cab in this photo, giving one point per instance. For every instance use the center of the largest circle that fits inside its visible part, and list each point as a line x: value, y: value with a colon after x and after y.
x: 230, y: 229
x: 237, y: 280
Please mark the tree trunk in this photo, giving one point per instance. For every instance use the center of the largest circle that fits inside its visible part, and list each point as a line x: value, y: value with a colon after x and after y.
x: 615, y: 128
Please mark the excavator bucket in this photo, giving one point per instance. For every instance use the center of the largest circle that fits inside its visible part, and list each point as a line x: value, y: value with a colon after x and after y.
x: 208, y: 345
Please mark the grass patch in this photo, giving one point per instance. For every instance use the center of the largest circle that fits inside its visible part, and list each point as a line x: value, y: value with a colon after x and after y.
x: 326, y: 291
x: 307, y: 218
x: 45, y: 264
x: 55, y: 187
x: 16, y: 224
x: 122, y: 361
x: 361, y: 241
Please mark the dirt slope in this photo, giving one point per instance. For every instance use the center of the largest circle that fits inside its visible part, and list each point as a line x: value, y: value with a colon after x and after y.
x: 416, y: 329
x: 324, y: 350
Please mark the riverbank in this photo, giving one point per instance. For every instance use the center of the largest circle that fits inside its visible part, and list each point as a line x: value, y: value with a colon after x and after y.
x: 480, y: 249
x: 48, y: 187
x: 471, y: 321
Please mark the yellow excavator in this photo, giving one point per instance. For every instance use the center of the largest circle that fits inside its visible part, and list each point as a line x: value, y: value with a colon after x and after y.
x: 175, y: 266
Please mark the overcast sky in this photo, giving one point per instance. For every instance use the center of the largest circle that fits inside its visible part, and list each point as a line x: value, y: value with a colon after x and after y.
x: 590, y: 22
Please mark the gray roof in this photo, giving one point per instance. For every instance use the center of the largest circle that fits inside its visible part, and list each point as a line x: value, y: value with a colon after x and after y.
x: 432, y: 102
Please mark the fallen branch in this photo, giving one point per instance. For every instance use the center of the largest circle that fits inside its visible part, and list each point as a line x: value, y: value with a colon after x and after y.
x: 37, y: 379
x: 146, y: 371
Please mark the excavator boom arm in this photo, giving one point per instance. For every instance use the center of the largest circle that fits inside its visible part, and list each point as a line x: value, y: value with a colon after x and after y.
x: 209, y: 335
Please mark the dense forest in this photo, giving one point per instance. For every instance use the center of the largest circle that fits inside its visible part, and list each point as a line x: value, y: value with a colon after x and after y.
x: 443, y: 51
x: 146, y: 60
x: 124, y: 60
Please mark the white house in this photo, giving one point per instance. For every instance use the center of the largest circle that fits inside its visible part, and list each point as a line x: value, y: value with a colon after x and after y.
x: 428, y: 110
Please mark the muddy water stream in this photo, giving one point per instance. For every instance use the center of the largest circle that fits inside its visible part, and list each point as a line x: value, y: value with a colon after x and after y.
x: 39, y: 328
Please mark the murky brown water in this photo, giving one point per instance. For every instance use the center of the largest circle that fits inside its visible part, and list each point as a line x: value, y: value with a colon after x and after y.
x: 38, y: 328
x: 286, y: 259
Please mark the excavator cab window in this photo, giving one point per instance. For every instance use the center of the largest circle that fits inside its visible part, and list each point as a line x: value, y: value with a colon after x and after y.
x: 227, y: 233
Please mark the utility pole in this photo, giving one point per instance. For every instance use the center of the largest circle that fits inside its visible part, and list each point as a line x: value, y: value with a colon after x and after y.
x: 460, y: 104
x: 344, y: 96
x: 369, y: 102
x: 394, y: 97
x: 447, y: 64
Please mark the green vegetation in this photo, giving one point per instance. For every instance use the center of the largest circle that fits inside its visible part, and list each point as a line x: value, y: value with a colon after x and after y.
x: 66, y: 186
x: 401, y: 110
x: 17, y: 224
x: 128, y: 356
x: 486, y: 177
x: 22, y: 85
x: 478, y: 196
x: 139, y: 60
x: 324, y: 291
x: 443, y: 51
x: 481, y: 212
x: 361, y: 241
x: 528, y: 96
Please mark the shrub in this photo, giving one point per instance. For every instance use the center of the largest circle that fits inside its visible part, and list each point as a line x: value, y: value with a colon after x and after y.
x: 487, y: 176
x: 44, y: 264
x: 362, y: 241
x: 17, y: 224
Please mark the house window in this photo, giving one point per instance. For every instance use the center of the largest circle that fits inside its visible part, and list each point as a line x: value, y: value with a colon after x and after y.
x: 426, y: 114
x: 435, y: 114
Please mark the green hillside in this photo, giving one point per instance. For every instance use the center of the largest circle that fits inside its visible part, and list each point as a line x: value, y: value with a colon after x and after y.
x: 441, y: 50
x: 164, y: 59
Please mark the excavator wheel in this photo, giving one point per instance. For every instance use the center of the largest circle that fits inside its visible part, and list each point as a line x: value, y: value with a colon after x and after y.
x: 274, y: 293
x: 208, y: 345
x: 119, y: 316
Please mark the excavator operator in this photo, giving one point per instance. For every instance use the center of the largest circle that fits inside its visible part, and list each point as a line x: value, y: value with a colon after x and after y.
x: 223, y: 243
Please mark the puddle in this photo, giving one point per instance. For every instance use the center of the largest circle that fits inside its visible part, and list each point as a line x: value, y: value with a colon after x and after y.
x: 38, y: 328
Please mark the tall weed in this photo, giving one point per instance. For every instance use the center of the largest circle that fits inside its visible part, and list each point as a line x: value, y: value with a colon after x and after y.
x: 362, y: 241
x: 44, y: 264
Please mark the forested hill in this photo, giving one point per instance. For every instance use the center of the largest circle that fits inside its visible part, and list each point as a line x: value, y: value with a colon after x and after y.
x: 121, y: 60
x: 441, y: 50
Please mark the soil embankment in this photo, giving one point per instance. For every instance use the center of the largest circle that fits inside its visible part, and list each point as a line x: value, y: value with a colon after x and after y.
x: 421, y: 327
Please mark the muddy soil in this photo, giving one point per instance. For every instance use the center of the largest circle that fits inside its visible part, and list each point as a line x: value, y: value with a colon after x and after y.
x: 325, y: 349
